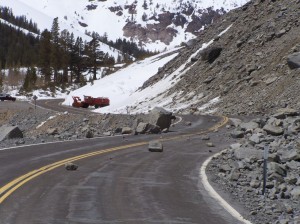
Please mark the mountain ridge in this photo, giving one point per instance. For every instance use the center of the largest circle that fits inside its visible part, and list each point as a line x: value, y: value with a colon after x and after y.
x: 135, y: 20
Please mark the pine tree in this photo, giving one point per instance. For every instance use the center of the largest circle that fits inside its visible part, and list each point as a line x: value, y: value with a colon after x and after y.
x: 44, y: 56
x: 145, y: 5
x: 55, y: 50
x: 78, y: 59
x: 95, y: 56
x: 1, y: 79
x: 65, y: 54
x: 71, y: 46
x: 30, y: 79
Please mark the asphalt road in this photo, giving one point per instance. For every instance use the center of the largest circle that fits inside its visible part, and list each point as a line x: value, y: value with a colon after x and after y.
x: 118, y: 180
x: 56, y: 106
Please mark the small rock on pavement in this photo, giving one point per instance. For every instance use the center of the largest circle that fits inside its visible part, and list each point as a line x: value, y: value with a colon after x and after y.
x: 71, y: 166
x: 188, y: 123
x: 205, y: 138
x: 155, y: 146
x: 210, y: 144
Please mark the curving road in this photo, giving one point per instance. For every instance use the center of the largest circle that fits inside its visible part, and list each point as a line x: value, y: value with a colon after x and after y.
x: 118, y: 180
x: 56, y: 106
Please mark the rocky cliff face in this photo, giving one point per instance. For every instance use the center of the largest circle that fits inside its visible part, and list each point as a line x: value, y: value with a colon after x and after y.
x: 163, y: 27
x: 257, y: 68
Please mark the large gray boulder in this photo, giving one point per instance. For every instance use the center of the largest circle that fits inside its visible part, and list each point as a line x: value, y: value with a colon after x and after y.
x: 249, y: 126
x: 126, y: 130
x: 292, y: 154
x: 160, y: 117
x: 273, y: 130
x: 9, y: 132
x: 235, y: 121
x: 293, y: 60
x: 282, y: 113
x: 210, y: 54
x: 154, y: 129
x: 295, y: 193
x: 243, y: 153
x: 142, y: 127
x: 276, y: 168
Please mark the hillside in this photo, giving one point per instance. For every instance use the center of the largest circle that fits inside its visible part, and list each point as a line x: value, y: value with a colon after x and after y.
x: 249, y: 73
x: 238, y: 65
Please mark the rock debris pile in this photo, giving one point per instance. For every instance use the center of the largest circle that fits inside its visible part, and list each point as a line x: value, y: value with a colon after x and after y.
x: 39, y: 126
x: 239, y: 169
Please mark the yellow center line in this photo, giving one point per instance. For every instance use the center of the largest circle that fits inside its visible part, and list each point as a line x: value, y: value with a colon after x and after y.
x: 12, y: 186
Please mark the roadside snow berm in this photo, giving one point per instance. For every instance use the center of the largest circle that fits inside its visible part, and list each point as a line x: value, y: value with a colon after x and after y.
x: 90, y: 101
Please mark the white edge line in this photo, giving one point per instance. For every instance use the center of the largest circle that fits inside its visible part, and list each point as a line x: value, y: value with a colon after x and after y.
x: 215, y: 195
x: 180, y: 119
x: 71, y: 140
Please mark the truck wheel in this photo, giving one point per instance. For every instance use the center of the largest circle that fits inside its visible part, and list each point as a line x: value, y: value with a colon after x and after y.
x: 96, y: 106
x: 85, y: 105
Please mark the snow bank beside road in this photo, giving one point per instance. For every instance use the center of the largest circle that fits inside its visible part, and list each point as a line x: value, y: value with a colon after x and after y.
x: 119, y: 86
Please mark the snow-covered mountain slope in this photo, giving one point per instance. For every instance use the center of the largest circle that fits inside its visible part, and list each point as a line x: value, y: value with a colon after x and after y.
x: 123, y: 86
x: 154, y: 24
x: 44, y: 15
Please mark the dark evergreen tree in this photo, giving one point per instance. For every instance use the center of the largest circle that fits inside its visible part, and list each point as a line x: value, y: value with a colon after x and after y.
x: 44, y: 56
x: 30, y: 80
x: 78, y: 61
x: 65, y: 55
x: 145, y: 5
x: 55, y: 50
x: 144, y: 17
x: 95, y: 56
x: 1, y: 78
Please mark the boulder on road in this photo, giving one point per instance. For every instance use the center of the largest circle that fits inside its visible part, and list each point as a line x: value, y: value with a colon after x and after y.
x: 71, y: 166
x: 160, y: 117
x: 9, y: 132
x: 155, y: 146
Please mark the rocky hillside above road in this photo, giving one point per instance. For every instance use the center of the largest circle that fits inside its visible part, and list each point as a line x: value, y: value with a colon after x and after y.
x: 253, y: 67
